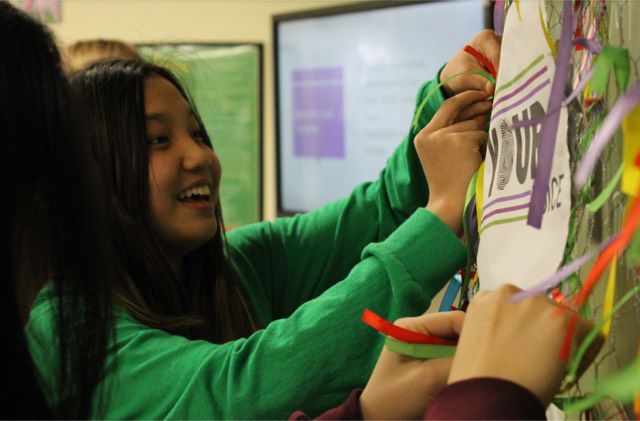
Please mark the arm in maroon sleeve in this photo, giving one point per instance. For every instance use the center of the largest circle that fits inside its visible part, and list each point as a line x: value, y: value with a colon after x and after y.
x: 349, y: 410
x: 481, y: 398
x: 484, y: 398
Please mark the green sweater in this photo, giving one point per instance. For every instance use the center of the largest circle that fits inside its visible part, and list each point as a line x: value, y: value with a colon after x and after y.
x: 309, y: 278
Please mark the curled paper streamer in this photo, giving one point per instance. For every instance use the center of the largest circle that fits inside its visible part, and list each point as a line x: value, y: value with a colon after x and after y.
x: 498, y: 17
x: 562, y: 273
x: 579, y: 87
x: 615, y: 248
x: 419, y: 350
x: 545, y: 31
x: 606, y: 193
x: 611, y: 58
x: 387, y: 328
x: 636, y: 402
x: 591, y: 45
x: 479, y: 191
x: 481, y: 58
x: 540, y: 120
x: 609, y: 297
x: 610, y: 125
x: 574, y: 366
x: 416, y: 117
x: 620, y: 386
x: 631, y: 132
x: 549, y: 130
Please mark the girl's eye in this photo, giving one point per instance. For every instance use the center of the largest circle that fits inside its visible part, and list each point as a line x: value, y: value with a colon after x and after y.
x: 158, y: 140
x: 199, y: 136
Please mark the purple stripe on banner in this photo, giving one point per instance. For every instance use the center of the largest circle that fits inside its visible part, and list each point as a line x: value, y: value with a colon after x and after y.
x: 498, y: 17
x: 561, y: 274
x: 521, y: 87
x: 549, y: 130
x: 503, y: 210
x: 521, y: 100
x: 505, y: 199
x: 623, y: 106
x: 540, y: 120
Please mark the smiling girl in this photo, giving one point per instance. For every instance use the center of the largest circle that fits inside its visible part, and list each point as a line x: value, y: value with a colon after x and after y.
x: 188, y: 343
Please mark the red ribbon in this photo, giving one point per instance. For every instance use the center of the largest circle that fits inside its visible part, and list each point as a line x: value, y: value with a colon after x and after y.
x: 387, y: 328
x: 482, y: 59
x: 606, y: 257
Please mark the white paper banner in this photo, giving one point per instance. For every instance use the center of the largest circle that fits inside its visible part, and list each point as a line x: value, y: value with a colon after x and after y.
x: 510, y: 251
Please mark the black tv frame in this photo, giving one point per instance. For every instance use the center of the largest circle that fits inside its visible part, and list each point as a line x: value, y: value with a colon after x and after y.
x: 323, y: 12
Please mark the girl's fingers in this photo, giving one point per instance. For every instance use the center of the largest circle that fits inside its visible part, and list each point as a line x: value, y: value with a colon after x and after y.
x: 460, y: 127
x: 481, y: 120
x: 449, y: 111
x: 443, y: 324
x: 478, y: 108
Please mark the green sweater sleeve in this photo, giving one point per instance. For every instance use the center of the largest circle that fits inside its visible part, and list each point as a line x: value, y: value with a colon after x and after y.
x: 310, y: 360
x: 289, y: 261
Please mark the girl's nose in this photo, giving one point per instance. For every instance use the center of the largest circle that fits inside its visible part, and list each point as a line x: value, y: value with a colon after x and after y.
x: 195, y: 155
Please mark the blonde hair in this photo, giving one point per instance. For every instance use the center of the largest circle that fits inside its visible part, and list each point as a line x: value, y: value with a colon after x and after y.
x: 81, y: 54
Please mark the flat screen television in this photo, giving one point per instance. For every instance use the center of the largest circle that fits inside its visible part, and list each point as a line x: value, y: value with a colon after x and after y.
x: 346, y: 80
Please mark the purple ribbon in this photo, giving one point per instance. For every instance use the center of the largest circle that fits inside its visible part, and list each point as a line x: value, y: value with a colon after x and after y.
x: 549, y: 129
x: 591, y: 45
x: 498, y: 17
x: 562, y: 273
x: 585, y: 78
x: 623, y: 106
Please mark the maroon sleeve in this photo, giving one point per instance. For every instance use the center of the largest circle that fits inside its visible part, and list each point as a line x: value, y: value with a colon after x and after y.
x: 484, y: 398
x: 349, y: 410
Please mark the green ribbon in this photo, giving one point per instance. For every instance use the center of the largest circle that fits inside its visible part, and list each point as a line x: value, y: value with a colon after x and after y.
x: 606, y: 193
x: 620, y: 386
x: 433, y: 90
x: 633, y: 252
x: 471, y: 191
x: 591, y: 336
x: 422, y: 351
x: 611, y: 58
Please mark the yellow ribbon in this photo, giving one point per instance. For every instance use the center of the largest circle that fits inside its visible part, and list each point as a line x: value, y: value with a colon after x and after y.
x: 474, y: 279
x: 631, y: 173
x: 609, y: 297
x: 479, y: 192
x: 545, y: 30
x: 636, y: 402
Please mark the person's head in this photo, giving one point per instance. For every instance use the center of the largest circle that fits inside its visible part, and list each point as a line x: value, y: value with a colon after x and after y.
x: 83, y: 53
x: 49, y: 222
x: 155, y: 155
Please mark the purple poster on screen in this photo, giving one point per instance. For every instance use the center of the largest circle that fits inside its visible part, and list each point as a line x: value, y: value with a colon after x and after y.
x: 318, y: 117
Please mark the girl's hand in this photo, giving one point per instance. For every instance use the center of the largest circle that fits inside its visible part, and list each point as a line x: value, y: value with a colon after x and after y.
x: 520, y: 342
x: 450, y: 149
x: 401, y: 387
x: 488, y: 44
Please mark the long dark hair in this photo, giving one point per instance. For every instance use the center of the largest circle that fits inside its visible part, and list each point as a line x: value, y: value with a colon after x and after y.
x: 50, y: 225
x: 205, y: 300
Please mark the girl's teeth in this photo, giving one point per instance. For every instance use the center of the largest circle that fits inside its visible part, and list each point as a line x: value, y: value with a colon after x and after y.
x: 198, y: 190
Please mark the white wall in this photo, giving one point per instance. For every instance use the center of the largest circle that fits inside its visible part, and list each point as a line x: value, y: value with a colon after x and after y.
x: 138, y: 21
